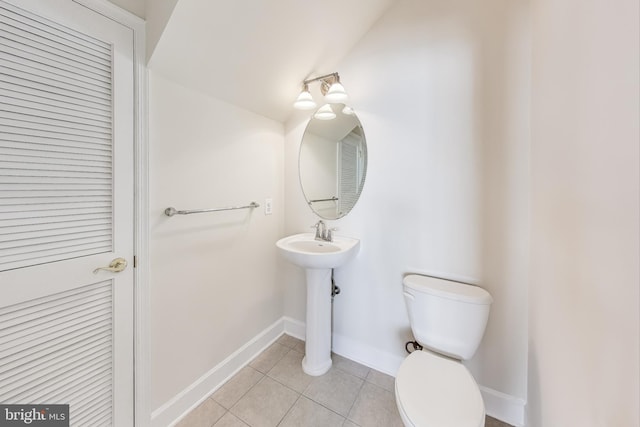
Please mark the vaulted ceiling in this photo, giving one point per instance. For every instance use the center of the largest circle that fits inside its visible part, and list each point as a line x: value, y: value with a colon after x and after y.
x: 137, y: 7
x: 255, y: 53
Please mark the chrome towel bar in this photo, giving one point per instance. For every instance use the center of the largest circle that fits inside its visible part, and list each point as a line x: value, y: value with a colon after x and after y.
x: 173, y: 211
x: 332, y: 199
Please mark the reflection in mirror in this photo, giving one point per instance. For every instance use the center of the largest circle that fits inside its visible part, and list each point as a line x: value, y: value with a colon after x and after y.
x: 333, y: 163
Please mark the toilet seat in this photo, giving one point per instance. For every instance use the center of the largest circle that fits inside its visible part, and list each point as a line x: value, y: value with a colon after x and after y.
x: 434, y: 391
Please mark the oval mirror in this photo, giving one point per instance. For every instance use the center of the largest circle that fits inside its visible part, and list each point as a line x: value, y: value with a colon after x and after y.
x: 333, y: 163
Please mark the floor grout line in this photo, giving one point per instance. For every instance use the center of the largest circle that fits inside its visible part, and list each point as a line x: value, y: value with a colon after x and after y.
x: 289, y: 410
x: 300, y: 395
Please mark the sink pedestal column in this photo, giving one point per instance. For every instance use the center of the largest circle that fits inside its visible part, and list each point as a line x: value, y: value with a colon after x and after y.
x: 318, y: 258
x: 317, y: 359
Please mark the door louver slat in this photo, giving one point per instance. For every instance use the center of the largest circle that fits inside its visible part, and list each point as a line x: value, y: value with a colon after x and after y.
x: 28, y: 26
x: 22, y: 106
x: 37, y: 72
x: 51, y: 28
x: 58, y: 349
x: 21, y: 367
x: 55, y: 141
x: 16, y: 90
x: 348, y: 191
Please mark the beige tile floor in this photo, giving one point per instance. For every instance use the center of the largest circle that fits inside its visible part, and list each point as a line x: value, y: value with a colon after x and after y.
x: 274, y: 391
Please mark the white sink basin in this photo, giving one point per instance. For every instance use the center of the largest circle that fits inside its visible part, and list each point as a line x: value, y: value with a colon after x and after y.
x: 304, y: 251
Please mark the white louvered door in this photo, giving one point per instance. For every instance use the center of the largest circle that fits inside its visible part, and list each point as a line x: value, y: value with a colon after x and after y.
x: 66, y: 208
x: 349, y: 173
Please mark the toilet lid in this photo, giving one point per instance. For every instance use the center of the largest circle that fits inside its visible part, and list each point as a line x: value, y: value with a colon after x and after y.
x: 433, y: 391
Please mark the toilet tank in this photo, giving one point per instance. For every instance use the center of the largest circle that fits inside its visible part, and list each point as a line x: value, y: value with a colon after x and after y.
x: 446, y: 317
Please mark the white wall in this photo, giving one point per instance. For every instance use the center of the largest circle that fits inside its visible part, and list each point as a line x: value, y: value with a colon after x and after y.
x: 213, y: 276
x: 584, y: 299
x: 441, y: 88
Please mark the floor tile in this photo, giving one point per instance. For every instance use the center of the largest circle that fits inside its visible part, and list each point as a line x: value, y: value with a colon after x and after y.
x: 205, y: 415
x: 268, y: 358
x: 265, y: 404
x: 288, y: 371
x: 337, y: 390
x: 354, y: 368
x: 229, y: 394
x: 492, y: 422
x: 230, y: 420
x: 306, y: 413
x: 300, y: 347
x: 349, y: 395
x: 385, y: 381
x: 289, y: 341
x: 375, y: 407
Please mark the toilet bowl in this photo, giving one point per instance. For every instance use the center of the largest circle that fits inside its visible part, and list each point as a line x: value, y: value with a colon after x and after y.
x: 433, y: 388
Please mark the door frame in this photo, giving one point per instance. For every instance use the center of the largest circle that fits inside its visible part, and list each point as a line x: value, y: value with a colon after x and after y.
x: 141, y: 345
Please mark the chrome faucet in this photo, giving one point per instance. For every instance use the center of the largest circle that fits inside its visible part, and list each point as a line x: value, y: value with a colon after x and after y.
x: 322, y: 232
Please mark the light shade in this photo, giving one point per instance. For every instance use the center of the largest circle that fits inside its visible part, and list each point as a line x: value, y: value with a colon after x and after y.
x: 336, y: 93
x: 325, y: 113
x: 348, y: 110
x: 304, y: 101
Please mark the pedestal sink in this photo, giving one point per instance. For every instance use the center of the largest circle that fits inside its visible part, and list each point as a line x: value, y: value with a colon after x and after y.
x: 318, y: 257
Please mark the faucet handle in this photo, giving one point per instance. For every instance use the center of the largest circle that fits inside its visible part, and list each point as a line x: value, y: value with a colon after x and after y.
x: 320, y: 229
x: 329, y: 236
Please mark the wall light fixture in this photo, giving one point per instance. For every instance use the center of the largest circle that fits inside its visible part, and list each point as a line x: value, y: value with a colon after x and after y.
x: 330, y: 87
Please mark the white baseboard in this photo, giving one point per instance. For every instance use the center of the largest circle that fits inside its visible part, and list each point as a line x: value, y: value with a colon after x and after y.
x: 189, y: 398
x: 503, y: 407
x: 295, y: 328
x: 367, y: 355
x: 499, y: 405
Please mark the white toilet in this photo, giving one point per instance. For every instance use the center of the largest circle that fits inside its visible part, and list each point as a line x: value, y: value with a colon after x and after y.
x: 433, y: 387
